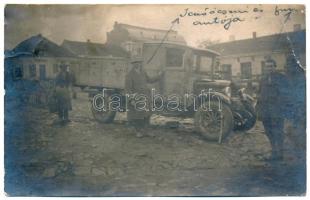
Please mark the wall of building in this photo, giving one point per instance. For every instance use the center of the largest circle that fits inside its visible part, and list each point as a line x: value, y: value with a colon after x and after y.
x: 51, y: 66
x: 256, y: 63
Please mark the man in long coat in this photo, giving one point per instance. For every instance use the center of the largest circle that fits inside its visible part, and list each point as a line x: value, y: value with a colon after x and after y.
x: 272, y: 106
x: 297, y: 116
x: 139, y: 104
x: 63, y: 97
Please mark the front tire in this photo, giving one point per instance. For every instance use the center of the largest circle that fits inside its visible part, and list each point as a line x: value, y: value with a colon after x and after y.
x: 248, y: 119
x: 213, y: 123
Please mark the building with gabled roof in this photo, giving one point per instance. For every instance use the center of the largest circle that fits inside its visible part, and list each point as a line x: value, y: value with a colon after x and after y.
x: 131, y: 38
x: 35, y: 58
x: 38, y: 46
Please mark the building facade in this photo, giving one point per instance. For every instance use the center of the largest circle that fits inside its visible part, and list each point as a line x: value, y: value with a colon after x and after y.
x: 35, y: 58
x: 244, y: 59
x: 131, y: 38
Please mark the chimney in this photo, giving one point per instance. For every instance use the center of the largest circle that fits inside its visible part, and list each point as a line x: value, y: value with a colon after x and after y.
x: 231, y: 38
x: 254, y: 35
x: 297, y: 27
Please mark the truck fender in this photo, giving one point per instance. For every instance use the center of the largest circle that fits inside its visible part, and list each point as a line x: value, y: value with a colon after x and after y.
x: 215, y: 96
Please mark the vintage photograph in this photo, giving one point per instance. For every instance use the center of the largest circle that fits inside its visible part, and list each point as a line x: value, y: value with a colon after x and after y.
x: 155, y: 100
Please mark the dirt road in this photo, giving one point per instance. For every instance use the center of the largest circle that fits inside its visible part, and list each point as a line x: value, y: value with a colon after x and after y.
x: 86, y: 158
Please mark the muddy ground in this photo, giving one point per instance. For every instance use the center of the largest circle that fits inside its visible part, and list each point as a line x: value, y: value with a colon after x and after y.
x: 86, y: 158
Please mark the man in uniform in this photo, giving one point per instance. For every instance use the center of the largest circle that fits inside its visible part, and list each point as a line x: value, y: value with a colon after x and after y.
x: 136, y: 86
x: 297, y: 82
x: 272, y: 105
x: 63, y: 82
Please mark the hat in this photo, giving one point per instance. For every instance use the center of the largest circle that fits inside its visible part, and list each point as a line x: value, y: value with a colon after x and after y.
x: 136, y: 59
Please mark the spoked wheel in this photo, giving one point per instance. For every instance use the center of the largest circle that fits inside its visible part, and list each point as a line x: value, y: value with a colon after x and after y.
x: 214, y: 123
x: 100, y: 109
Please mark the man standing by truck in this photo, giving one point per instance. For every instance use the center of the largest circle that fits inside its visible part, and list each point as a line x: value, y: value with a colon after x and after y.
x: 136, y: 85
x: 272, y: 106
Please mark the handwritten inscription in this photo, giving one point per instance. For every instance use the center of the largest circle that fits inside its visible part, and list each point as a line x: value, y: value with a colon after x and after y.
x: 208, y: 11
x: 286, y: 12
x: 228, y: 17
x: 226, y: 22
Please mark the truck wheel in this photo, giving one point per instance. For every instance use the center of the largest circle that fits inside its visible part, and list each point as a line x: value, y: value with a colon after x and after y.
x: 210, y: 121
x: 101, y: 115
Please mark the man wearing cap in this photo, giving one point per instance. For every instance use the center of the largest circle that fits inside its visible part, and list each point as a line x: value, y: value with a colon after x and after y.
x: 272, y: 107
x: 136, y: 86
x: 63, y: 82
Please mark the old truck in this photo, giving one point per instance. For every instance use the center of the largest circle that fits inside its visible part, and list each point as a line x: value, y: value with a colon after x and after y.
x: 187, y: 72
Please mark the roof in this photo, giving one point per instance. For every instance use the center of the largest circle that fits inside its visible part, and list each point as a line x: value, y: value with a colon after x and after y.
x: 184, y: 45
x: 149, y: 34
x: 93, y: 49
x: 270, y: 43
x: 128, y: 26
x: 38, y: 46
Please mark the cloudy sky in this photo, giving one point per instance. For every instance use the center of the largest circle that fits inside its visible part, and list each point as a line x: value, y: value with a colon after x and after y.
x: 82, y: 22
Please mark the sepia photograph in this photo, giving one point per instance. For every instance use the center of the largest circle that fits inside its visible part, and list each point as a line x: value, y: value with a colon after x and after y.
x: 154, y: 100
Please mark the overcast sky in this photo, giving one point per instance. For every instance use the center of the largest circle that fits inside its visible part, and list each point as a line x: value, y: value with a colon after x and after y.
x: 82, y: 22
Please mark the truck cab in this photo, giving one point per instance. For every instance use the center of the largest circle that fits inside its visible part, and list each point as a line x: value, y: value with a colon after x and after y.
x: 183, y: 66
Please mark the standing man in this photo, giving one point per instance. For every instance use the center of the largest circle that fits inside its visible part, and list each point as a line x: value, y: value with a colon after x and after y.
x: 297, y: 80
x: 72, y: 83
x: 272, y: 105
x: 63, y: 82
x: 136, y: 85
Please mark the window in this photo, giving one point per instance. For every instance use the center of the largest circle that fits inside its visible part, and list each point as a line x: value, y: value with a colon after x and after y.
x: 226, y: 71
x: 18, y: 72
x: 134, y: 48
x: 42, y: 72
x: 32, y: 71
x: 195, y: 61
x: 205, y: 64
x: 246, y: 70
x: 55, y: 68
x: 174, y: 57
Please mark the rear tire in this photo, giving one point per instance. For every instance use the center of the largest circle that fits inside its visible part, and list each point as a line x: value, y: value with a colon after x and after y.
x: 210, y: 121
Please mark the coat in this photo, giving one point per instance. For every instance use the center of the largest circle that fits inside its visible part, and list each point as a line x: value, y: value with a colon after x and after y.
x: 62, y: 92
x: 136, y: 83
x: 273, y: 96
x: 297, y: 81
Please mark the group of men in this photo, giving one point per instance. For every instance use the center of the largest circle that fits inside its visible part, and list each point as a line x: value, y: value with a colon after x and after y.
x: 281, y: 96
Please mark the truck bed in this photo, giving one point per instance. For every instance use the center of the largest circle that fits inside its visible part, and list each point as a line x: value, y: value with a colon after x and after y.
x: 101, y: 72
